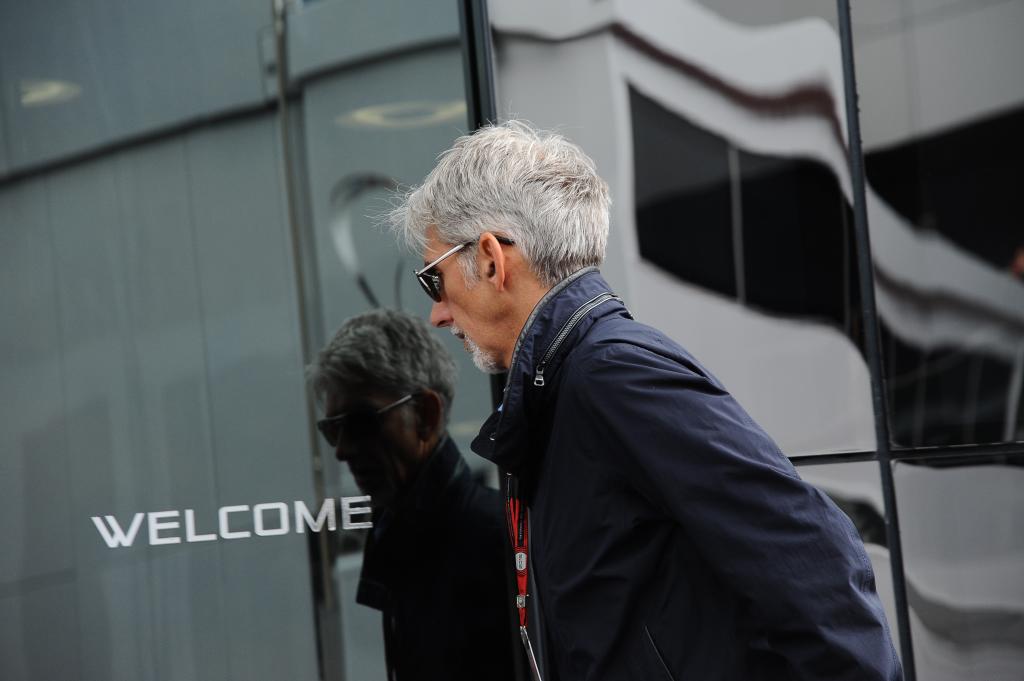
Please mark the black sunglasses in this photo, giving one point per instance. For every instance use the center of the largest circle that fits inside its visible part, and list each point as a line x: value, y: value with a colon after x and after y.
x: 430, y: 278
x: 357, y: 424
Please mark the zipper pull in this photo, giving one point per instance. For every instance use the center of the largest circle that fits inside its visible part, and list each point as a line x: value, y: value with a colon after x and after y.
x: 538, y: 377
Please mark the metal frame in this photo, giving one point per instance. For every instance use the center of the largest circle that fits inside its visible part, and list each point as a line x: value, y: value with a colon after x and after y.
x: 478, y: 72
x: 872, y: 340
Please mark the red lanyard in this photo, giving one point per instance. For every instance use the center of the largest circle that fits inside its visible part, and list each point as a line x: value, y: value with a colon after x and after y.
x: 517, y: 519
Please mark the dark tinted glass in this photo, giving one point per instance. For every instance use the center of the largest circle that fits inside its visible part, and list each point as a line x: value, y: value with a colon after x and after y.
x: 797, y: 240
x: 771, y: 232
x: 683, y: 197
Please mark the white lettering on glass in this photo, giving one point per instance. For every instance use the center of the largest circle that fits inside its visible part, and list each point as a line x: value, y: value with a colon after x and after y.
x: 269, y: 519
x: 190, y: 529
x: 282, y: 522
x: 114, y: 535
x: 303, y: 519
x: 155, y: 525
x: 348, y: 509
x: 222, y: 516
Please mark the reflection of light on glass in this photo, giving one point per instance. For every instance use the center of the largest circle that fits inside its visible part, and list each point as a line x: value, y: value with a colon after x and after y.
x: 345, y: 192
x: 45, y: 92
x: 464, y: 429
x: 404, y: 115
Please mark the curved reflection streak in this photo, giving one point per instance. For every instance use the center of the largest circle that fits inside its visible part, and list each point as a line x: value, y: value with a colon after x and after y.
x: 343, y: 196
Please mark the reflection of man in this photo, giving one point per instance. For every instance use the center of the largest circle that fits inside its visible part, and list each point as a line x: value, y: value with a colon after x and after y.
x: 667, y: 536
x: 433, y: 562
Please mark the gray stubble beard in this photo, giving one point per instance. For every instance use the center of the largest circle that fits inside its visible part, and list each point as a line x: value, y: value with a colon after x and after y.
x: 483, y: 361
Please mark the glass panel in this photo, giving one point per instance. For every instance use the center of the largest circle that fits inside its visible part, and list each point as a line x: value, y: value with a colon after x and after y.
x: 369, y: 128
x: 152, y: 378
x: 161, y: 495
x: 963, y: 549
x: 91, y: 75
x: 943, y: 127
x: 720, y: 129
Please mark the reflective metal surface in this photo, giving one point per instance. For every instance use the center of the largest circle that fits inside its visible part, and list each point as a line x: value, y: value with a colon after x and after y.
x: 963, y: 542
x: 943, y: 133
x: 722, y: 135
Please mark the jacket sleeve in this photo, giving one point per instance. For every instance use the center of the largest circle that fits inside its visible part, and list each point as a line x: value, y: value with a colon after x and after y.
x: 776, y: 540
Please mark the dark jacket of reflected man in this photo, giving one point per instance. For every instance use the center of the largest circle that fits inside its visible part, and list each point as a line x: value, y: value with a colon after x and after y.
x: 433, y: 562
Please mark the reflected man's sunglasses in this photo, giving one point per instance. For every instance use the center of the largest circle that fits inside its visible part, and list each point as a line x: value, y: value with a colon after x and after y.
x: 430, y: 278
x: 357, y: 424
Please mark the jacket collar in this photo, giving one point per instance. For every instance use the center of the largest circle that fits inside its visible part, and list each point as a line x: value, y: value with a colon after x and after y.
x: 504, y: 437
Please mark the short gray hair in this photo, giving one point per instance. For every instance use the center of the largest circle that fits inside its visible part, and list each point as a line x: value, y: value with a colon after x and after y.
x: 535, y: 187
x: 387, y: 351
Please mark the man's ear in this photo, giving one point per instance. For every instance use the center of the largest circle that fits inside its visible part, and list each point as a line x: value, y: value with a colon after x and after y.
x: 429, y: 412
x: 491, y: 261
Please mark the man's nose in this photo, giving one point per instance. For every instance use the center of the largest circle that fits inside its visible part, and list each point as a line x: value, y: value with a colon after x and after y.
x: 440, y: 315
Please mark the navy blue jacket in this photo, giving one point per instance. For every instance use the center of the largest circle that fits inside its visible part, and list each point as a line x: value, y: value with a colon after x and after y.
x: 670, y: 538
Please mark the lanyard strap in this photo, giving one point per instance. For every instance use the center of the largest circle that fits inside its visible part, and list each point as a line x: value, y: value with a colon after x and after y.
x: 517, y: 519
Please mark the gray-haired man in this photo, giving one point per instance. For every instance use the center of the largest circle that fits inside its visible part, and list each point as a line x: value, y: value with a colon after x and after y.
x: 667, y: 535
x: 433, y: 561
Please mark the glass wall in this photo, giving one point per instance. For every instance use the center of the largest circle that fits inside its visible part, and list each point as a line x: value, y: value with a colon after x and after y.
x: 942, y: 128
x: 722, y: 134
x: 721, y: 128
x: 155, y: 436
x: 963, y: 541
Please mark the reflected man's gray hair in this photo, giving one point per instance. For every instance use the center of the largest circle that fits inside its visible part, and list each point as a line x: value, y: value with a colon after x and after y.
x: 384, y: 351
x: 535, y: 187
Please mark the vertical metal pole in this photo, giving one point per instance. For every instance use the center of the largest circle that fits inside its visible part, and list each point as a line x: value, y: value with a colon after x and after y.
x: 326, y: 616
x: 872, y: 342
x: 477, y: 62
x: 478, y: 72
x: 736, y: 200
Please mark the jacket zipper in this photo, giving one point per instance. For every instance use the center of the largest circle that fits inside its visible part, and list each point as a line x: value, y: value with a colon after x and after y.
x: 563, y: 333
x: 538, y: 378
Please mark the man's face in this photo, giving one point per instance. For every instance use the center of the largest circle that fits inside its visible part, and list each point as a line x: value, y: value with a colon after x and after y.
x: 468, y: 311
x: 380, y: 449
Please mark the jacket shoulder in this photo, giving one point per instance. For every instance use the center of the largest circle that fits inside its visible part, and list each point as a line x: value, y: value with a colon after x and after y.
x: 640, y: 347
